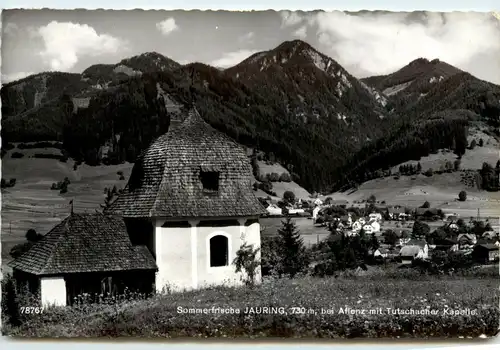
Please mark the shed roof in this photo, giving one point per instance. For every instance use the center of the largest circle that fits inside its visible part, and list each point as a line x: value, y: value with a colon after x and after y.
x: 85, y: 243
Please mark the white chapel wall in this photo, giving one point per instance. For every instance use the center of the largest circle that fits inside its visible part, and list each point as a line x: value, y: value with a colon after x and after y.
x: 173, y: 257
x: 53, y: 291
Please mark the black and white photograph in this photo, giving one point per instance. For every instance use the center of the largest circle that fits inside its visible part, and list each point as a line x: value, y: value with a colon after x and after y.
x: 250, y: 174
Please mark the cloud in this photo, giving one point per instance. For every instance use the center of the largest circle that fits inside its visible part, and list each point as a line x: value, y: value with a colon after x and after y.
x: 247, y: 38
x: 230, y: 59
x: 167, y: 26
x: 380, y: 44
x: 66, y: 42
x: 301, y: 32
x: 10, y: 28
x: 7, y: 78
x: 290, y: 19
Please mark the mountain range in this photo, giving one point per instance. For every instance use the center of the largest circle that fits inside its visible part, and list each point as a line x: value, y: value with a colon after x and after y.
x: 295, y: 104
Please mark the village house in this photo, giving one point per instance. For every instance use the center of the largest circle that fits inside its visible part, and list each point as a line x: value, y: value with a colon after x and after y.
x: 375, y: 216
x: 446, y: 244
x: 414, y: 249
x: 273, y: 210
x: 381, y: 253
x: 485, y: 253
x: 466, y: 240
x: 186, y: 210
x: 396, y: 213
x: 85, y: 253
x: 371, y: 227
x: 295, y: 211
x: 490, y: 235
x: 318, y: 201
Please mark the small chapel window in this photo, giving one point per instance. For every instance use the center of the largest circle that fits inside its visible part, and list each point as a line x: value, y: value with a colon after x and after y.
x: 219, y: 248
x: 210, y: 181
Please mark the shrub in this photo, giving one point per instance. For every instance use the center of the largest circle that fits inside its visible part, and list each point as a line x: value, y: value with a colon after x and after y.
x: 429, y: 172
x: 285, y: 177
x: 7, y: 184
x: 462, y: 196
x: 246, y: 261
x: 17, y: 155
x: 420, y: 229
x: 270, y: 257
x: 274, y: 177
x: 10, y: 303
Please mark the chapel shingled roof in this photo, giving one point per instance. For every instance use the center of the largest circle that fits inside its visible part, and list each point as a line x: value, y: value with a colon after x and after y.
x: 85, y: 243
x: 165, y: 180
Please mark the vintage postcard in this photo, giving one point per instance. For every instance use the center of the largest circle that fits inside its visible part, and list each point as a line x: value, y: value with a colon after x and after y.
x: 217, y: 174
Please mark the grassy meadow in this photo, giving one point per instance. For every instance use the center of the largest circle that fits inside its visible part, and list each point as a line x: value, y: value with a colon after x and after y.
x: 310, y: 308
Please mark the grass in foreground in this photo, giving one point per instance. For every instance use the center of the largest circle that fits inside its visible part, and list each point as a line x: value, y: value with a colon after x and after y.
x: 477, y: 299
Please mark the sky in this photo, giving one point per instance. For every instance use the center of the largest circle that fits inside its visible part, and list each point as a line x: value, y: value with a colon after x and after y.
x: 366, y: 43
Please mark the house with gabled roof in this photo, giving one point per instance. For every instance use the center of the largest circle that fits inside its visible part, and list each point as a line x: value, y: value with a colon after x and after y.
x: 190, y: 200
x: 487, y: 252
x: 85, y: 253
x: 414, y: 249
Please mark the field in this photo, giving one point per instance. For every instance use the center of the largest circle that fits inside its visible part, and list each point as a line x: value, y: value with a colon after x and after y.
x: 441, y: 191
x: 346, y: 307
x: 32, y: 204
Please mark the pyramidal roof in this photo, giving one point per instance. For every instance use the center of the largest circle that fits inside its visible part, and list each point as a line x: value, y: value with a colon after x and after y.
x: 166, y: 178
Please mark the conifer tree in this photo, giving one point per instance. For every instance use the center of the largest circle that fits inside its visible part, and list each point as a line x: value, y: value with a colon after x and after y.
x: 293, y: 252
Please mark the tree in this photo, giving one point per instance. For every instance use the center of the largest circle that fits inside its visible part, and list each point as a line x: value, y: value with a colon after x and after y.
x: 372, y: 199
x: 448, y: 167
x: 456, y: 164
x: 293, y: 252
x: 274, y: 177
x: 426, y: 205
x: 33, y: 236
x: 462, y: 196
x: 419, y: 168
x: 420, y: 229
x: 19, y: 249
x: 285, y: 177
x: 247, y: 261
x: 10, y: 302
x: 472, y: 144
x: 480, y: 143
x: 390, y: 237
x: 289, y: 197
